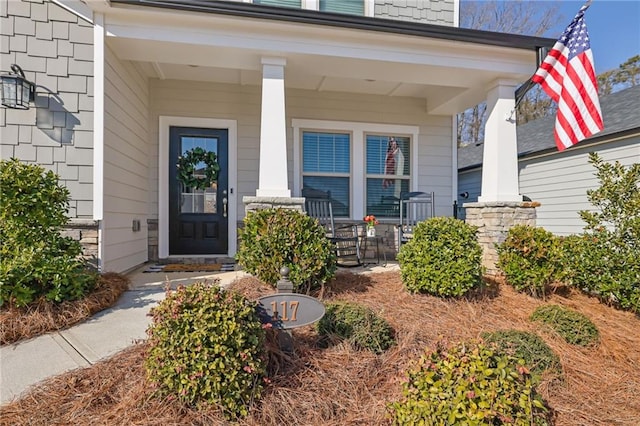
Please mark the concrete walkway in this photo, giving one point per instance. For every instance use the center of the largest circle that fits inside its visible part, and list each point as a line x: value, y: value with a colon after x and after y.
x: 26, y: 363
x: 110, y: 331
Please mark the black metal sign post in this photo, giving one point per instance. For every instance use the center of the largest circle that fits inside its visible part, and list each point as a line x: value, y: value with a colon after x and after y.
x: 286, y: 310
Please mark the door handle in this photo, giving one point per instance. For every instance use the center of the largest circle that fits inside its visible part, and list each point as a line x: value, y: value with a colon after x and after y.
x: 224, y: 206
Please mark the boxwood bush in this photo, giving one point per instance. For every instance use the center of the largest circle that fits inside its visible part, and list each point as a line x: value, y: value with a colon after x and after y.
x: 35, y: 259
x: 469, y: 384
x: 356, y: 324
x: 572, y: 326
x: 443, y: 258
x: 207, y: 346
x: 529, y: 258
x: 273, y: 238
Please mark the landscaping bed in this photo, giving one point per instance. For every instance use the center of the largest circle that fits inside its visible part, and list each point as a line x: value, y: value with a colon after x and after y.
x: 338, y: 385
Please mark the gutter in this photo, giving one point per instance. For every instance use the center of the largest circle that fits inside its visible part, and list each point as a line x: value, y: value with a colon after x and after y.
x: 304, y: 16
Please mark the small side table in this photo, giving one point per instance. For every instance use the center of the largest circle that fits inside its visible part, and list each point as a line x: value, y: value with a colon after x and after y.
x: 367, y: 241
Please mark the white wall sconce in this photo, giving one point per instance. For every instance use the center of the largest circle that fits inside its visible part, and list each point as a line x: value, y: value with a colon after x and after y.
x: 17, y: 91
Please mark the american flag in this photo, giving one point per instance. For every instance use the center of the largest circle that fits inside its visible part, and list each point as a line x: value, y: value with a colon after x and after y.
x: 568, y: 77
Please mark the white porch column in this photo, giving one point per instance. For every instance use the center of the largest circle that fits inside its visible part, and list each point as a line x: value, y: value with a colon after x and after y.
x: 272, y: 181
x: 500, y: 158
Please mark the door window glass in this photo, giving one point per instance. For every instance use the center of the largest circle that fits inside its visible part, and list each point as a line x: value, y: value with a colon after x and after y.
x: 195, y: 200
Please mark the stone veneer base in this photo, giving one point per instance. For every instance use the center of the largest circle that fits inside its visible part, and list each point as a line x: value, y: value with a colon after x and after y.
x: 86, y: 232
x: 494, y: 219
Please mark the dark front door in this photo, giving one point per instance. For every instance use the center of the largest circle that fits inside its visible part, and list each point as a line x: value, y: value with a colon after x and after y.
x: 198, y: 222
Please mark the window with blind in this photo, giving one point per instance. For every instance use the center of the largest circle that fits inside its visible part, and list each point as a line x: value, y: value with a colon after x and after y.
x: 326, y: 168
x: 283, y: 3
x: 387, y: 173
x: 350, y: 7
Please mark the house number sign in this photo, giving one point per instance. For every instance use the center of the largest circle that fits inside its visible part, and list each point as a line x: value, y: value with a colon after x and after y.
x: 289, y: 310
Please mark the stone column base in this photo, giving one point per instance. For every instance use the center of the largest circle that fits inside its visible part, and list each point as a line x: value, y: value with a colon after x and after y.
x: 152, y: 239
x: 260, y: 203
x: 493, y: 220
x: 86, y: 232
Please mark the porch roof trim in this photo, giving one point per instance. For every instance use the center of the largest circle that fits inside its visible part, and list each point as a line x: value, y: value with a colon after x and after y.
x: 305, y: 16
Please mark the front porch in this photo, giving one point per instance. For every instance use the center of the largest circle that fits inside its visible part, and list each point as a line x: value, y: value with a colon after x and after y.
x: 304, y: 106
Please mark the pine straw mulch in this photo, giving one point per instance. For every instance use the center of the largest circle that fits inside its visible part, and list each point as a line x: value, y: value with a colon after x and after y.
x: 42, y: 317
x: 338, y: 386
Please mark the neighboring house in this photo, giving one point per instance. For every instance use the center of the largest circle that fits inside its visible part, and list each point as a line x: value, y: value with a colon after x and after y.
x: 289, y: 98
x: 560, y: 180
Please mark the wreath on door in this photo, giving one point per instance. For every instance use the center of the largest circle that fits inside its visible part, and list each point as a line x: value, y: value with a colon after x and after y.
x: 187, y: 167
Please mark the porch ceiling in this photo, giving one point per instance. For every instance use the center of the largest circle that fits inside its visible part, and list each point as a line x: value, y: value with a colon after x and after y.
x: 449, y: 75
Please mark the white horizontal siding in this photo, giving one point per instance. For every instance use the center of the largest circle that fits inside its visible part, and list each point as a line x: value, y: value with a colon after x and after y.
x: 126, y: 164
x: 560, y: 182
x: 242, y: 103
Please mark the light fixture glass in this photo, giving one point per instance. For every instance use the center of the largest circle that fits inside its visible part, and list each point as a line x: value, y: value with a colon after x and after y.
x: 17, y: 91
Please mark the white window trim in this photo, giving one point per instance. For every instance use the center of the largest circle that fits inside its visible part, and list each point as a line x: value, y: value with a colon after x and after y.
x: 358, y: 131
x: 369, y: 8
x: 163, y: 177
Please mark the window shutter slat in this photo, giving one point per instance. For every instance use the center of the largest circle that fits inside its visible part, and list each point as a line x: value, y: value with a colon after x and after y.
x: 282, y: 3
x: 350, y: 7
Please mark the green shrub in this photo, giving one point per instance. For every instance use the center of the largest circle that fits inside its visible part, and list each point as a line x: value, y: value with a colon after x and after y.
x: 356, y: 324
x: 273, y: 238
x: 35, y: 259
x: 529, y: 347
x: 594, y: 264
x: 617, y: 203
x: 443, y: 258
x: 605, y: 261
x: 572, y: 326
x: 206, y: 345
x: 470, y: 385
x: 529, y: 259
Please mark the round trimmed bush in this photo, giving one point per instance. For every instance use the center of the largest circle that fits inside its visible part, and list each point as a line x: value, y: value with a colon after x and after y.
x: 356, y: 324
x: 207, y: 345
x: 529, y: 259
x: 273, y: 238
x: 443, y: 258
x: 470, y: 385
x: 572, y: 326
x: 529, y: 347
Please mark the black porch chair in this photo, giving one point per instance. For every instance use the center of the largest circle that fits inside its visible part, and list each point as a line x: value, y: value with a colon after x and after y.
x: 345, y: 238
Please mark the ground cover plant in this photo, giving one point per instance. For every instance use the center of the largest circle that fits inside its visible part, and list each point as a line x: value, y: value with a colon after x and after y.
x: 572, y: 326
x: 357, y: 325
x: 339, y: 385
x: 537, y: 355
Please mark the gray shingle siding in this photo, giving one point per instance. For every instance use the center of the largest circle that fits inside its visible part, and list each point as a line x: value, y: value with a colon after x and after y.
x: 54, y: 48
x: 438, y: 12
